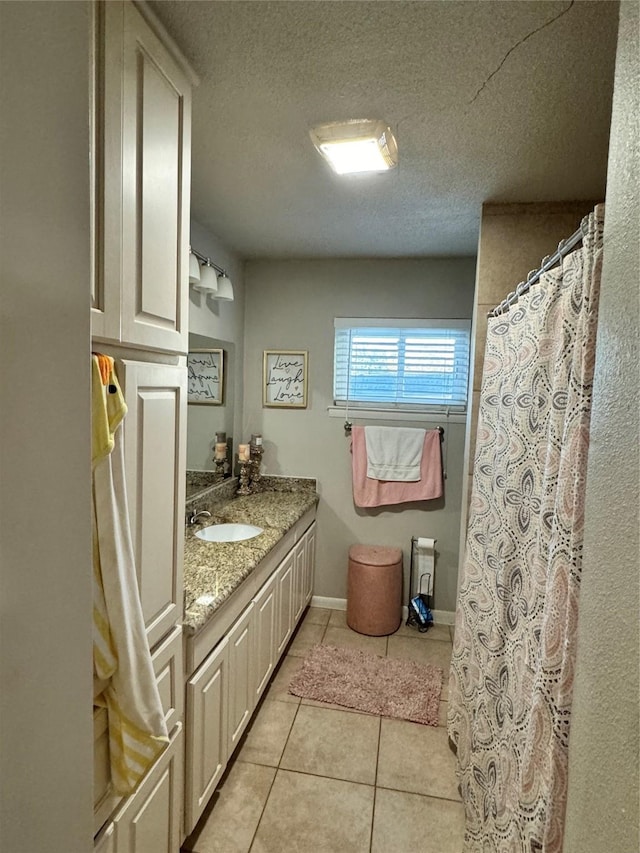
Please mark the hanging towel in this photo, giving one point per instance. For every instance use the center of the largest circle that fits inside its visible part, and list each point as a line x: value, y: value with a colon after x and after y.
x: 394, y: 453
x: 137, y: 728
x: 372, y: 493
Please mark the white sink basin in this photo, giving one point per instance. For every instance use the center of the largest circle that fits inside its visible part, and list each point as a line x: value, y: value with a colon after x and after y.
x: 228, y: 532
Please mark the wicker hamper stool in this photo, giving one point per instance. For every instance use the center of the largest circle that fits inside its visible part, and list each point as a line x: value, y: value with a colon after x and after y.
x: 374, y: 589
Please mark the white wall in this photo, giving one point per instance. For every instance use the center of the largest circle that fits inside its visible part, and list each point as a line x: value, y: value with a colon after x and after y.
x: 292, y: 305
x: 222, y: 321
x: 604, y: 749
x: 46, y: 733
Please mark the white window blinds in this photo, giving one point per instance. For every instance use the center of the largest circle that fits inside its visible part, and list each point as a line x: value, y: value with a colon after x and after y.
x: 401, y: 363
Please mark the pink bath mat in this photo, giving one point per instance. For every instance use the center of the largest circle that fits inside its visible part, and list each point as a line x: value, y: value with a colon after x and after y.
x: 378, y: 685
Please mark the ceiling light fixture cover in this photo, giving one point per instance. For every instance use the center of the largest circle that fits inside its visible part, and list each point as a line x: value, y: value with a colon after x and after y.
x: 225, y: 288
x: 208, y: 281
x: 358, y: 145
x: 194, y: 268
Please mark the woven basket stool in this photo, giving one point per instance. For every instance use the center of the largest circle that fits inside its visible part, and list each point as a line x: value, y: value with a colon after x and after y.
x: 374, y: 589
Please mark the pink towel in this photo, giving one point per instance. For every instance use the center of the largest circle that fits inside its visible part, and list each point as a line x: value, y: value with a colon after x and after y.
x: 369, y: 493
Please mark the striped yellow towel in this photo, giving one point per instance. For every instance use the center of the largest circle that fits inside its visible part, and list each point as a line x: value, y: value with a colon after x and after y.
x: 137, y: 729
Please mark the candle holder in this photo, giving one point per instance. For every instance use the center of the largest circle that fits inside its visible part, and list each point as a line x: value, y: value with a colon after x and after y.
x: 219, y: 472
x: 245, y: 487
x: 255, y: 462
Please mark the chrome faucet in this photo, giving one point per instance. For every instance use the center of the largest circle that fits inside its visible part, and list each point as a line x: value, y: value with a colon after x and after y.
x: 193, y: 519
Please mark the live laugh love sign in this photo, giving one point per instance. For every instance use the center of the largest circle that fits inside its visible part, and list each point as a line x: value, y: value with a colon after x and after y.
x: 284, y: 376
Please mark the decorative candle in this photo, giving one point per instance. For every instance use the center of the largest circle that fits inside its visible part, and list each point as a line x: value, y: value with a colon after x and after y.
x: 221, y: 438
x: 243, y: 452
x: 256, y: 440
x: 221, y: 450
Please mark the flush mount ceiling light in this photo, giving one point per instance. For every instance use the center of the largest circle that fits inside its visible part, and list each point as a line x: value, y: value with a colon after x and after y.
x: 358, y: 145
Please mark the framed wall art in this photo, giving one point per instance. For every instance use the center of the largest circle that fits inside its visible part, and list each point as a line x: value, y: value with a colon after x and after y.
x: 284, y: 379
x: 205, y: 376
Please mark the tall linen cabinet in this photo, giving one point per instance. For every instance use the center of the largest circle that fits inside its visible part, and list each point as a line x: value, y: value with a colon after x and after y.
x: 139, y: 304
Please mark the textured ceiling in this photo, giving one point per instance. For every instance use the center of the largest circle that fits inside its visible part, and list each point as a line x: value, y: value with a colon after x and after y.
x: 489, y: 101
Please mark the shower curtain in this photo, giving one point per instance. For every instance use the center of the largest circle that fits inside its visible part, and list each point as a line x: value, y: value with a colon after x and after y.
x: 515, y: 641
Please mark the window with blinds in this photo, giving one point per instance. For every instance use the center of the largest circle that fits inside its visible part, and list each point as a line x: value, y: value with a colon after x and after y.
x: 401, y: 364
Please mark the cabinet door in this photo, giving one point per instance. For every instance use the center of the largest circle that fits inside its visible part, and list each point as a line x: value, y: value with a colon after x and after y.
x: 156, y: 176
x: 310, y: 562
x: 149, y: 821
x: 241, y: 693
x: 265, y: 616
x: 207, y: 742
x: 155, y: 459
x: 285, y: 580
x: 106, y: 171
x: 167, y: 665
x: 105, y: 841
x: 299, y: 583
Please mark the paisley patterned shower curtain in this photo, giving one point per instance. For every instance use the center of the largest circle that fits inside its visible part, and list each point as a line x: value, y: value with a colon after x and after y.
x: 515, y: 642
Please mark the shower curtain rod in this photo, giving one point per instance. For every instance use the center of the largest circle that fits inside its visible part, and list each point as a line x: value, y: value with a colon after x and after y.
x: 564, y: 247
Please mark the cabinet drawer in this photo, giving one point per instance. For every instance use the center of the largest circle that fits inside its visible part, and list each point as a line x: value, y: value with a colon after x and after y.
x: 167, y: 665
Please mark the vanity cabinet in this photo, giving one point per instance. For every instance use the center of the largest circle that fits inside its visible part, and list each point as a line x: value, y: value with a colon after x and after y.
x: 142, y: 163
x: 222, y: 693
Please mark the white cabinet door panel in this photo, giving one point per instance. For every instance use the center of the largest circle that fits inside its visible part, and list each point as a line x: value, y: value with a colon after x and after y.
x: 265, y: 619
x: 285, y: 580
x: 207, y: 741
x: 241, y: 693
x: 105, y: 842
x: 155, y: 454
x: 106, y: 175
x: 310, y: 562
x: 156, y: 178
x: 299, y: 583
x: 149, y: 821
x: 167, y: 665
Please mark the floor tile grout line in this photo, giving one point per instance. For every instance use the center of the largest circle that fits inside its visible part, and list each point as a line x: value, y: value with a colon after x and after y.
x: 324, y: 776
x: 375, y: 785
x: 277, y: 768
x: 266, y: 800
x: 420, y: 794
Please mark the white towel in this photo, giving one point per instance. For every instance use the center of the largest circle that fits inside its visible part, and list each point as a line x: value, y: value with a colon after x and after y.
x: 394, y: 453
x: 137, y: 728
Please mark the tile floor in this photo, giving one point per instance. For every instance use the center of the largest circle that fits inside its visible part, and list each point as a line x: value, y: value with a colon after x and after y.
x: 316, y: 778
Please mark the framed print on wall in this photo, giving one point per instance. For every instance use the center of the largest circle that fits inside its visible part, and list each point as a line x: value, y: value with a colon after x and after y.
x: 205, y: 376
x: 284, y: 379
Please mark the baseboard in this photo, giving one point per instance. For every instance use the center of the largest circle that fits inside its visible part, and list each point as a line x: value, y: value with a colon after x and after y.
x: 329, y: 603
x: 442, y: 617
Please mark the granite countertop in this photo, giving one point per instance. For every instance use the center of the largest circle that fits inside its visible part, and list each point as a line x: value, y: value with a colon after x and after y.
x: 214, y: 570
